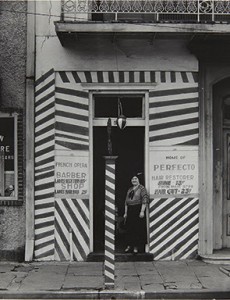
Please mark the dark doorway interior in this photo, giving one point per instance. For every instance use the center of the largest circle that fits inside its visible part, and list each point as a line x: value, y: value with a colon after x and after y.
x: 128, y: 145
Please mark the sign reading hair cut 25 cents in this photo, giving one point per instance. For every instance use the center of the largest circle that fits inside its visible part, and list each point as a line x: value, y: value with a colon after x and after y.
x: 173, y: 172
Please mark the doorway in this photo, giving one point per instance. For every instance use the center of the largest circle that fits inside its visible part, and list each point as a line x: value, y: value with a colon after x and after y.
x: 128, y: 145
x: 221, y: 160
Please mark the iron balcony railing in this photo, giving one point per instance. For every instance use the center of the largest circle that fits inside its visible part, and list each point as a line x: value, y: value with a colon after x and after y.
x: 191, y: 11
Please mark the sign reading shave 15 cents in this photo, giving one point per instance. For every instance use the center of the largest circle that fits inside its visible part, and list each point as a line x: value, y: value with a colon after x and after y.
x: 173, y: 172
x: 71, y: 176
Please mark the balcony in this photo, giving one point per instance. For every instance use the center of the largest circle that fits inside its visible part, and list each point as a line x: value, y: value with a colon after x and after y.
x: 149, y: 16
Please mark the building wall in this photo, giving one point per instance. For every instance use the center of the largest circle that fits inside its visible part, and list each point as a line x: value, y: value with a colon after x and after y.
x: 12, y: 91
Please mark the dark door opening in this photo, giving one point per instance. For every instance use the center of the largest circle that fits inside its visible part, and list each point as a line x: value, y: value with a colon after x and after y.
x: 128, y: 145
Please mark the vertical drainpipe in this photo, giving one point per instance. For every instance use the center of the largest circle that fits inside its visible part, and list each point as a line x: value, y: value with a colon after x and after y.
x: 30, y: 73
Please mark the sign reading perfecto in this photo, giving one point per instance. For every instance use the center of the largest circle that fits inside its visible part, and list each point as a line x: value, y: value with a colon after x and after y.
x: 173, y: 172
x: 71, y: 176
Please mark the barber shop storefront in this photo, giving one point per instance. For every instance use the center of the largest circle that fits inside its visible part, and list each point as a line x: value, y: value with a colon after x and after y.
x: 147, y: 98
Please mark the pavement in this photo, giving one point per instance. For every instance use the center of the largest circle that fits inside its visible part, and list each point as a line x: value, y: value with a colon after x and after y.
x: 188, y: 279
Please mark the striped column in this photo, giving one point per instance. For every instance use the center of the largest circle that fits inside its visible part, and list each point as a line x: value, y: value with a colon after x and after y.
x: 109, y: 267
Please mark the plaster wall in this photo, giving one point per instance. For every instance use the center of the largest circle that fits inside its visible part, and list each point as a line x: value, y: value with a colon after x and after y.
x: 12, y: 94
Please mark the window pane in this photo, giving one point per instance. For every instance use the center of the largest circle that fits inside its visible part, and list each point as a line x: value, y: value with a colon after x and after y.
x: 107, y: 106
x: 7, y: 172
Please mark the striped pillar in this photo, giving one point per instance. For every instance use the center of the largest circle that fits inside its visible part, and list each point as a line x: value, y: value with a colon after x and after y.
x: 109, y: 267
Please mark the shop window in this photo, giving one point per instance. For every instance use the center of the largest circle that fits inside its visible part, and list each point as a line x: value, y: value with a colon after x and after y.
x: 8, y: 156
x: 106, y: 106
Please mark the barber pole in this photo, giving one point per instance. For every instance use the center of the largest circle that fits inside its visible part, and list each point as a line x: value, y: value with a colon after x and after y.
x: 109, y: 267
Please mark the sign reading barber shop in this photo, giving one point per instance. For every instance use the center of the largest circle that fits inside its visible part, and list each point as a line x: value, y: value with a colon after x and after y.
x: 173, y: 172
x: 7, y: 142
x: 71, y: 176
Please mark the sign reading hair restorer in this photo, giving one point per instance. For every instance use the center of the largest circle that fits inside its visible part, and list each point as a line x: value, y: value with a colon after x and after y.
x: 173, y: 172
x: 71, y: 176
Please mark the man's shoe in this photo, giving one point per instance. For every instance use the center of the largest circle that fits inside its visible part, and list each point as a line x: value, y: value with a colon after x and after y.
x: 135, y: 250
x: 128, y: 249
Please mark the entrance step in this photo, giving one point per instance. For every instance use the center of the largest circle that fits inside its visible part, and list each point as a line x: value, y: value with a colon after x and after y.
x: 218, y: 257
x: 121, y: 257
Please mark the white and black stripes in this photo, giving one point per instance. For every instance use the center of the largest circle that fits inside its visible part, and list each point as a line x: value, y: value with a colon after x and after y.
x: 109, y: 221
x: 44, y: 166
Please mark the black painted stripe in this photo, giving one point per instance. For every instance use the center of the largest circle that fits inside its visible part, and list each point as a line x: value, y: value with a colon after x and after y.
x: 45, y: 119
x: 45, y: 254
x: 111, y: 221
x: 44, y: 109
x: 72, y: 128
x: 170, y: 92
x: 108, y: 239
x: 109, y: 209
x: 172, y: 113
x: 43, y: 100
x: 163, y: 76
x: 44, y: 197
x: 173, y: 124
x: 60, y: 231
x: 187, y: 249
x: 131, y: 76
x: 76, y: 222
x: 173, y: 135
x: 81, y: 211
x: 44, y: 151
x: 64, y: 76
x: 44, y: 77
x: 173, y: 76
x: 100, y: 77
x: 59, y: 251
x: 72, y: 92
x: 161, y: 201
x: 111, y: 77
x: 44, y: 205
x: 107, y: 228
x: 190, y: 142
x: 45, y: 169
x: 76, y: 77
x: 44, y: 131
x: 170, y: 103
x: 45, y: 140
x: 45, y: 175
x: 74, y: 116
x: 72, y: 146
x: 45, y: 161
x: 45, y: 88
x: 71, y: 137
x: 44, y: 215
x: 88, y: 77
x: 44, y: 234
x: 109, y: 189
x: 152, y: 76
x: 72, y: 104
x: 110, y: 179
x: 121, y: 76
x: 43, y: 186
x: 195, y: 76
x: 111, y: 170
x: 44, y: 224
x: 184, y: 77
x: 109, y: 270
x: 43, y: 245
x: 86, y: 203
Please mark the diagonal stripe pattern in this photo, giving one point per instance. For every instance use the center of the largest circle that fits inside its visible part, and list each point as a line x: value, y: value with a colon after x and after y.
x: 109, y: 268
x: 44, y: 166
x: 174, y: 228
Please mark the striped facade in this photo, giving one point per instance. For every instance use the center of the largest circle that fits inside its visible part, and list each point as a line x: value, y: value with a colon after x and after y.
x: 62, y: 124
x: 44, y: 166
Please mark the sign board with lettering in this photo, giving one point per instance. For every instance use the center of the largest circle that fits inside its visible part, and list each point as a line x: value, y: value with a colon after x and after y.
x: 173, y: 172
x: 7, y: 142
x: 71, y: 175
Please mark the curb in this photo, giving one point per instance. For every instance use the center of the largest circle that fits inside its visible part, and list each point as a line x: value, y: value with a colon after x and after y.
x: 111, y: 294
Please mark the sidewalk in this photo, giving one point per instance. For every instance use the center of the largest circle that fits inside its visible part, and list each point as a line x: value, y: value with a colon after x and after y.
x: 190, y: 279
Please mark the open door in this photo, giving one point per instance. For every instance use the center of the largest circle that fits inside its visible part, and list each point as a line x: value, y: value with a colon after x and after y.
x: 128, y: 145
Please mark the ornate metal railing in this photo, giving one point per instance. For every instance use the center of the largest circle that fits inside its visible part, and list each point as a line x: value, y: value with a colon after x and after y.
x: 148, y: 10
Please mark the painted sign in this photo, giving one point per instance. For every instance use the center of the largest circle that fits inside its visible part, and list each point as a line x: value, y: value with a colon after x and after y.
x: 7, y: 142
x: 173, y: 172
x: 71, y: 176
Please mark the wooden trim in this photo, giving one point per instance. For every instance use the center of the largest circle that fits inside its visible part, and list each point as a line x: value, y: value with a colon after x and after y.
x: 29, y: 247
x: 91, y: 110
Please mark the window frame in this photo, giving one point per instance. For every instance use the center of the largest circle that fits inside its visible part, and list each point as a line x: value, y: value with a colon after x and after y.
x: 15, y: 117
